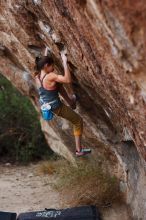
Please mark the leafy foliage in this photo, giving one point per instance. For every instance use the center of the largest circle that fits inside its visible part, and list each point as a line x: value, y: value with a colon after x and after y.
x: 21, y: 138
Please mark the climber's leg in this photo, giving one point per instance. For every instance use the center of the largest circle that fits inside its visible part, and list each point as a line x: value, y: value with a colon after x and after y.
x: 78, y: 142
x: 67, y: 113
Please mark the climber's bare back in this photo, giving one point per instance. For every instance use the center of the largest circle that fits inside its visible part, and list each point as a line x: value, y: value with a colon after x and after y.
x: 50, y: 80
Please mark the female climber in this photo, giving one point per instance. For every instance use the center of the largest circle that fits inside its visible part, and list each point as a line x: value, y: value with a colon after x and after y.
x: 49, y: 85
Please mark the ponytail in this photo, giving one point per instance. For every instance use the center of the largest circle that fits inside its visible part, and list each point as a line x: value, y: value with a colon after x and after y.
x: 37, y: 59
x: 40, y: 62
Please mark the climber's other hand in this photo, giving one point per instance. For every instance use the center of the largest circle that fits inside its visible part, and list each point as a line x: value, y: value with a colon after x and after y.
x: 73, y: 101
x: 73, y: 106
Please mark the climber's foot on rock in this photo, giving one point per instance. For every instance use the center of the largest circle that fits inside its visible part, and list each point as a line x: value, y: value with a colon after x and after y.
x: 83, y: 151
x: 80, y: 153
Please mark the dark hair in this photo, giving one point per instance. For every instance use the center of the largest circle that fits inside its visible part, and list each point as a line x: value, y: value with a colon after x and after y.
x: 41, y: 61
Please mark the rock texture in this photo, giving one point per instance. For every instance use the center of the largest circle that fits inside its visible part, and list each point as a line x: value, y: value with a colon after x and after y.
x: 106, y: 53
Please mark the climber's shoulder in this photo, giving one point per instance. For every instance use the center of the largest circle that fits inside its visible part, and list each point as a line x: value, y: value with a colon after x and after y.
x: 52, y: 76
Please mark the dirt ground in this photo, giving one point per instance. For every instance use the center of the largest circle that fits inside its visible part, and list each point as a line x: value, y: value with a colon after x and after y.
x: 23, y: 188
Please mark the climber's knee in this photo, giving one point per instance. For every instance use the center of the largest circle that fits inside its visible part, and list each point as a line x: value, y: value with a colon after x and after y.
x: 78, y: 126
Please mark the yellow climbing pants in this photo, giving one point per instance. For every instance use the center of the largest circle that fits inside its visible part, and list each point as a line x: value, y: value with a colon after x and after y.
x: 67, y: 113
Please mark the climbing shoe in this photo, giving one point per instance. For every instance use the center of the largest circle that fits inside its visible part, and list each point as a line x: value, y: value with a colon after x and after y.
x: 80, y: 153
x: 85, y: 150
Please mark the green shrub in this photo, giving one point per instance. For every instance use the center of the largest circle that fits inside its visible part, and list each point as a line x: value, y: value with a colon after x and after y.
x: 21, y: 138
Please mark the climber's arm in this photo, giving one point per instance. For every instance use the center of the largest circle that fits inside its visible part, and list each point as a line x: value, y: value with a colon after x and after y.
x: 66, y: 68
x: 62, y: 79
x: 67, y: 76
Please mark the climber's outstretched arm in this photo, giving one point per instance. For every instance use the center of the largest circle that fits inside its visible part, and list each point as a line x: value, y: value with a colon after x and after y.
x: 66, y: 68
x: 66, y: 78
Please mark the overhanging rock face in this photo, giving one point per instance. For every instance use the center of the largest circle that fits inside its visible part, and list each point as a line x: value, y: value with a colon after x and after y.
x: 106, y: 53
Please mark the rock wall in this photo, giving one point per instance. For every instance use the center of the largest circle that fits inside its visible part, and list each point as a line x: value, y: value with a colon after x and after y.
x: 106, y: 52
